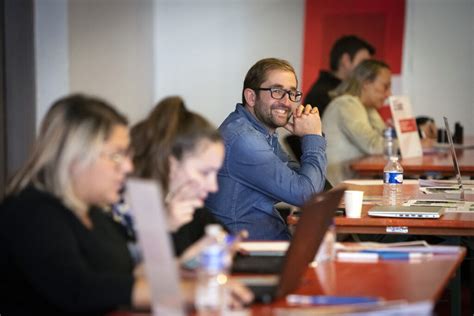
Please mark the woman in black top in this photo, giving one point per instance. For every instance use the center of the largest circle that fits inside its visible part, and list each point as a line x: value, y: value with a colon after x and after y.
x: 61, y: 253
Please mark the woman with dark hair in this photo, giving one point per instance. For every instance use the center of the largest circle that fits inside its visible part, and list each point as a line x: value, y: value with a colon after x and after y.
x: 352, y: 124
x: 183, y: 152
x: 61, y: 253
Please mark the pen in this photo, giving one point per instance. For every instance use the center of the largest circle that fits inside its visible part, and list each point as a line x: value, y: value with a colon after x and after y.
x: 398, y: 255
x: 373, y: 256
x: 329, y: 300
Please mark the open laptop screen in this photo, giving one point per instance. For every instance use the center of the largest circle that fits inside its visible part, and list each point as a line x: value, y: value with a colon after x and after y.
x: 454, y: 157
x: 146, y: 203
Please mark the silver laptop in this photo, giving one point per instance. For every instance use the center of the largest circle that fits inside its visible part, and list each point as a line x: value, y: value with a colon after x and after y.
x: 455, y: 159
x: 407, y: 211
x: 146, y: 203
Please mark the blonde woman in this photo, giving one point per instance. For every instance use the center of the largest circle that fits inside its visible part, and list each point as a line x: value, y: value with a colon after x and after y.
x: 352, y: 124
x: 61, y: 253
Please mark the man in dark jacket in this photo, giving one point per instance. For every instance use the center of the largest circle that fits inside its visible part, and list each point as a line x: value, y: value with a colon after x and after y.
x: 346, y: 53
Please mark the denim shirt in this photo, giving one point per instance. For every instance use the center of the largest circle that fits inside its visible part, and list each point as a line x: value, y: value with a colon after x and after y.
x: 257, y: 174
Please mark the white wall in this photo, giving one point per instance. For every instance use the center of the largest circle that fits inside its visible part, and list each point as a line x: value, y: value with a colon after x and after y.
x: 134, y: 53
x: 438, y: 61
x: 111, y: 52
x: 52, y: 53
x: 204, y: 48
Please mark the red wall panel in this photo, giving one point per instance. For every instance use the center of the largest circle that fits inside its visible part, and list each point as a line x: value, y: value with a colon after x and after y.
x: 379, y: 22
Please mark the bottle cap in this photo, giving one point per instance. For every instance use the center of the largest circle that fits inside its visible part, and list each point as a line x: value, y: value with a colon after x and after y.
x: 213, y: 230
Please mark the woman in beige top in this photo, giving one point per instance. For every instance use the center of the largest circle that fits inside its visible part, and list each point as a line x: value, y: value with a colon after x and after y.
x: 352, y: 124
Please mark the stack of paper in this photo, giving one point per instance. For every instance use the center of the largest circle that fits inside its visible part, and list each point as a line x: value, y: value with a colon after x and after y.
x: 450, y: 206
x: 445, y: 186
x: 372, y: 252
x: 264, y: 248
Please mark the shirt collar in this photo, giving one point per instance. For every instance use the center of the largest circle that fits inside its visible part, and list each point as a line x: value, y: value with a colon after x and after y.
x: 242, y: 110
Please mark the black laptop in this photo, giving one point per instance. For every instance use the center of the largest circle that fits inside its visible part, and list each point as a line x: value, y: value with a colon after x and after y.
x: 316, y: 216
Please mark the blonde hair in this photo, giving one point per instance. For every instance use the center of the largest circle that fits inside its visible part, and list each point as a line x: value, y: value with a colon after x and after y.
x: 73, y: 131
x: 366, y: 71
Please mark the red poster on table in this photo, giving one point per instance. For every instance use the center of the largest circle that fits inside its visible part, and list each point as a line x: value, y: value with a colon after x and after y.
x: 405, y: 125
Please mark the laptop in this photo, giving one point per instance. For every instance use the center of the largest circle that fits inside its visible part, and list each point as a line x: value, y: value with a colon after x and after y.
x: 424, y: 211
x: 316, y: 216
x: 406, y: 211
x: 146, y: 204
x: 455, y: 158
x: 451, y: 191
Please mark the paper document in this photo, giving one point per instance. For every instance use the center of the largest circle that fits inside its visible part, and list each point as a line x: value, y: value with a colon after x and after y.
x: 262, y: 248
x: 445, y: 186
x: 418, y: 246
x: 386, y: 308
x: 451, y: 206
x: 375, y: 182
x: 405, y: 125
x: 445, y: 146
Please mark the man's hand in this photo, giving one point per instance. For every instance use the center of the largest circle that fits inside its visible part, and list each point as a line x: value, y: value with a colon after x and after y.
x: 306, y: 121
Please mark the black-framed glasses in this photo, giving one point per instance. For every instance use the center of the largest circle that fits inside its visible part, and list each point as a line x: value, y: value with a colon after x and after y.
x: 279, y: 93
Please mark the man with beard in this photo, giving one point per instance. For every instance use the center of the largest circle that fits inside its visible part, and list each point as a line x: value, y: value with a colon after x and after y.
x: 257, y: 172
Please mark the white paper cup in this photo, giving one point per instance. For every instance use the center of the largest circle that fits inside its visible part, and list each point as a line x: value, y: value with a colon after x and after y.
x: 353, y: 202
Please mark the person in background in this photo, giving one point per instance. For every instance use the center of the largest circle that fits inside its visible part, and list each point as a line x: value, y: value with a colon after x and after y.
x: 183, y: 152
x: 352, y: 124
x: 346, y: 53
x: 61, y: 252
x: 426, y: 127
x: 257, y: 173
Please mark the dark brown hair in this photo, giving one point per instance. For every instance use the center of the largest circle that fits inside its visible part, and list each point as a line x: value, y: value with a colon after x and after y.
x: 349, y: 44
x: 169, y: 130
x: 257, y: 74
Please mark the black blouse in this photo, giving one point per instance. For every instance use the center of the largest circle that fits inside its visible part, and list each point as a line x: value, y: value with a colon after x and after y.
x: 51, y: 264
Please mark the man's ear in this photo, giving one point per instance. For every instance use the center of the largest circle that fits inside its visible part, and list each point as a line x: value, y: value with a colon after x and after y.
x: 345, y: 61
x: 250, y: 96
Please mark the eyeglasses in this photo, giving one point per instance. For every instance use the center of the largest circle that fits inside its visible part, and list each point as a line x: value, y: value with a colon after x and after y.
x: 279, y: 93
x: 118, y: 157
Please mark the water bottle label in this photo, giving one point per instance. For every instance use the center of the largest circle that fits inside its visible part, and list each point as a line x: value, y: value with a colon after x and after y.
x: 393, y: 177
x: 213, y: 258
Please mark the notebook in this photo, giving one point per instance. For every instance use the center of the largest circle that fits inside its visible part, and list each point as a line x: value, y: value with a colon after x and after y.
x: 406, y: 211
x: 146, y: 203
x: 316, y: 216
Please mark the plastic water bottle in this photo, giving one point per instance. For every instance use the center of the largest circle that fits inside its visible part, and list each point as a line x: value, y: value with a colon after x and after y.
x: 327, y: 250
x: 392, y: 182
x: 389, y: 145
x: 212, y: 274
